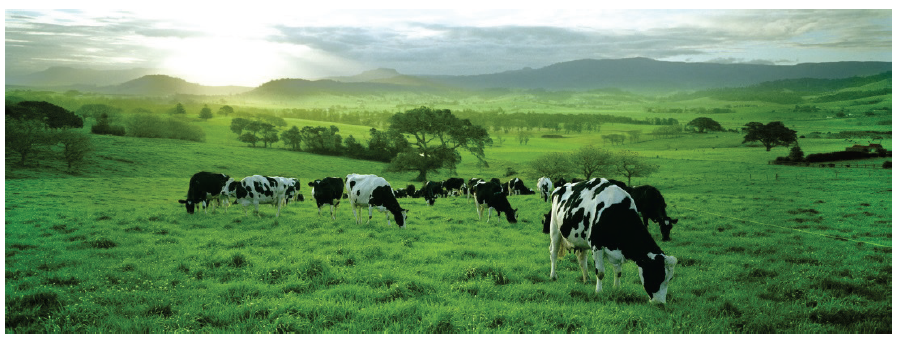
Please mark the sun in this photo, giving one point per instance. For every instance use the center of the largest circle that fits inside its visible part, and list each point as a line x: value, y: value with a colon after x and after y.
x: 220, y: 61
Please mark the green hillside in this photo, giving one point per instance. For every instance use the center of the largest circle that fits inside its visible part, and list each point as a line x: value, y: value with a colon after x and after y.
x: 761, y: 248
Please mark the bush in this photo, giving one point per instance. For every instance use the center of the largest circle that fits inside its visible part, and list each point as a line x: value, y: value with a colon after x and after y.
x: 149, y: 126
x: 887, y: 164
x: 108, y: 130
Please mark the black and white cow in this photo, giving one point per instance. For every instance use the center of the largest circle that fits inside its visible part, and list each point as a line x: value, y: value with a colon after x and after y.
x: 257, y: 190
x: 327, y: 191
x: 373, y: 191
x: 288, y: 189
x: 470, y: 187
x: 489, y: 195
x: 204, y: 187
x: 431, y: 191
x: 516, y: 187
x: 545, y: 187
x: 454, y: 186
x: 400, y: 193
x: 601, y: 216
x: 560, y: 182
x: 651, y: 205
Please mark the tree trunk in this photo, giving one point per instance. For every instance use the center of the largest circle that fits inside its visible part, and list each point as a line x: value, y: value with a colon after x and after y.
x: 422, y: 176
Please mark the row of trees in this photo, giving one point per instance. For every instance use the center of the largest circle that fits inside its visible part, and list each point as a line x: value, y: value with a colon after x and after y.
x: 590, y: 162
x: 36, y: 127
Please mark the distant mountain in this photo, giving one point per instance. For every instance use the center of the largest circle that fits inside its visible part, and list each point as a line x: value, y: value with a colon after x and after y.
x: 369, y: 76
x: 294, y: 87
x: 640, y: 74
x: 69, y: 76
x: 164, y: 85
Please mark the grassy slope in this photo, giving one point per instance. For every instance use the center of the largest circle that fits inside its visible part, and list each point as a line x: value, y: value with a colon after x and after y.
x: 110, y: 250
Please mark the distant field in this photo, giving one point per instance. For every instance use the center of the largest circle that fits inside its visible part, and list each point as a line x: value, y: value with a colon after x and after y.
x: 761, y: 248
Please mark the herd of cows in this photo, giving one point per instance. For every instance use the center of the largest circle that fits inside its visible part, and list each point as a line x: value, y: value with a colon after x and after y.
x: 599, y: 214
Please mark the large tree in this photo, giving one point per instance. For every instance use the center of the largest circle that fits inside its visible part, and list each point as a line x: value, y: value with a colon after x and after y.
x: 551, y: 165
x: 630, y: 164
x: 437, y: 137
x: 589, y: 160
x: 703, y: 125
x: 771, y: 135
x: 206, y: 112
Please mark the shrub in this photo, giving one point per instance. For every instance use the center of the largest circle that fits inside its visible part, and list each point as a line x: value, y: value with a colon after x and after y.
x: 108, y: 130
x: 150, y: 126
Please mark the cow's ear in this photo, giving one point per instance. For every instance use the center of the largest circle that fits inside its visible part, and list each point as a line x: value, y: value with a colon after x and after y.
x: 182, y: 201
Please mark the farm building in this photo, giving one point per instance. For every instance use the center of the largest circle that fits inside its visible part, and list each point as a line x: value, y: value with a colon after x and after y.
x: 865, y: 149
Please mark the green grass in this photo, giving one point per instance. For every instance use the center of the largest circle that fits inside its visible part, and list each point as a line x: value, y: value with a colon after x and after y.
x: 761, y: 248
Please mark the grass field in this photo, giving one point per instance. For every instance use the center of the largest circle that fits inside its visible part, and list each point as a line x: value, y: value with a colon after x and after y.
x: 761, y: 248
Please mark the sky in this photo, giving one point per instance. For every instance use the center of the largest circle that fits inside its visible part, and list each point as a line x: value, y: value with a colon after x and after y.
x: 248, y: 46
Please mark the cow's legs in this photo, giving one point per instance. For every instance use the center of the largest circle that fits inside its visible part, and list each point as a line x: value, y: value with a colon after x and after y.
x: 598, y: 255
x: 554, y: 247
x: 488, y: 213
x: 479, y: 209
x: 616, y: 259
x: 387, y: 214
x: 581, y: 258
x: 370, y: 215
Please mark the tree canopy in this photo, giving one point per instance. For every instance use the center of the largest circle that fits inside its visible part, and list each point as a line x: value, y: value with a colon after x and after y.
x: 703, y: 125
x: 770, y: 135
x: 437, y: 136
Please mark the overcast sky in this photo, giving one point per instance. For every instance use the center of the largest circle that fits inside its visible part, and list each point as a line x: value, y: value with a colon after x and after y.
x: 249, y: 46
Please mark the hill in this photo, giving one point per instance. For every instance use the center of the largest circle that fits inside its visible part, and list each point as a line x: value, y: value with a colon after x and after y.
x: 163, y: 85
x: 643, y: 74
x: 83, y: 77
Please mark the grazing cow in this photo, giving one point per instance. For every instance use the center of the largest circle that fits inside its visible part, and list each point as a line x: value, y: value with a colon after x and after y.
x: 373, y: 191
x: 410, y: 190
x: 470, y: 187
x: 516, y: 187
x: 288, y: 190
x: 489, y: 195
x: 454, y: 185
x: 400, y: 193
x: 544, y: 186
x: 600, y: 216
x: 650, y: 203
x: 560, y: 182
x: 327, y: 191
x: 256, y: 190
x: 432, y: 190
x: 203, y: 188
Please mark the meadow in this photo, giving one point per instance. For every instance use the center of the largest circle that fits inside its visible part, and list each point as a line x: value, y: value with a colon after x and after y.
x: 761, y: 248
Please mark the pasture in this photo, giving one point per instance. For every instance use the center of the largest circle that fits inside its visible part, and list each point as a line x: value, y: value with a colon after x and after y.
x: 761, y: 248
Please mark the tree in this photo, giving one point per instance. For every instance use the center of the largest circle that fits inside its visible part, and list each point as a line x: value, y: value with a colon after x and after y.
x: 796, y: 154
x: 322, y: 140
x: 49, y: 114
x: 551, y: 165
x: 704, y: 124
x: 25, y: 137
x: 292, y: 138
x: 630, y: 164
x: 353, y: 148
x: 75, y: 146
x: 634, y: 135
x: 589, y: 160
x: 437, y: 135
x: 225, y: 110
x: 770, y: 135
x: 206, y: 112
x: 179, y: 109
x: 523, y: 137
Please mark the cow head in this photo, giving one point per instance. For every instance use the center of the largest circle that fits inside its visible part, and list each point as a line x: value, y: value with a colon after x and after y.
x: 190, y: 205
x: 666, y: 225
x: 655, y: 273
x: 401, y: 218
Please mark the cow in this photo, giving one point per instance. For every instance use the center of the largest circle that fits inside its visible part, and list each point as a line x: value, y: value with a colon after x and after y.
x: 373, y: 191
x: 203, y: 188
x: 400, y: 193
x: 650, y: 203
x: 256, y: 190
x: 327, y: 191
x: 544, y: 186
x: 470, y: 187
x: 601, y: 216
x: 431, y: 190
x: 288, y: 190
x: 454, y: 186
x: 560, y: 182
x: 489, y: 195
x: 516, y: 187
